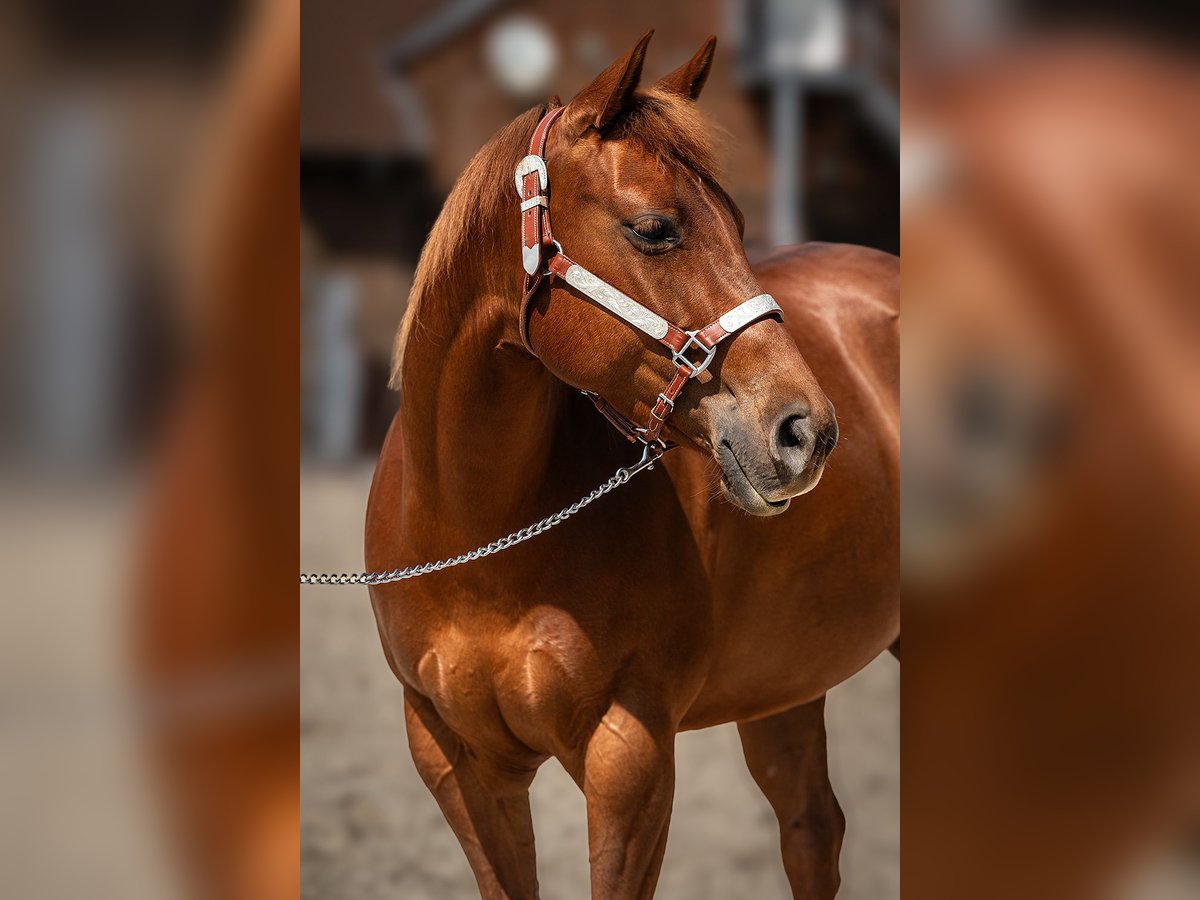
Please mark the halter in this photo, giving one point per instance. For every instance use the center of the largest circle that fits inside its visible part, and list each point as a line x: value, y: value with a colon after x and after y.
x: 542, y: 256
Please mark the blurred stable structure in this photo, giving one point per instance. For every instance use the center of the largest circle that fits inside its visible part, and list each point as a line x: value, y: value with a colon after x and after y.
x: 398, y: 97
x: 104, y: 111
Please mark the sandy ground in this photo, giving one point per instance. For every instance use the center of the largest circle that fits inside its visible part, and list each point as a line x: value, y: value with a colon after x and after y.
x: 370, y: 830
x: 80, y: 808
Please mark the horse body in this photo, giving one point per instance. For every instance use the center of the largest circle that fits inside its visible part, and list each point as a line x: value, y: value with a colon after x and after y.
x: 663, y: 607
x: 740, y: 593
x: 661, y: 599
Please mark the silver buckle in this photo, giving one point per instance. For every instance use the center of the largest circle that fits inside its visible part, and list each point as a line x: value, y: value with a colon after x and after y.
x: 680, y: 359
x: 528, y: 166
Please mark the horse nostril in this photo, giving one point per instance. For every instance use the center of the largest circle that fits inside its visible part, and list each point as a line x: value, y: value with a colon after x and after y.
x: 794, y: 436
x: 793, y: 430
x: 801, y: 440
x: 827, y: 439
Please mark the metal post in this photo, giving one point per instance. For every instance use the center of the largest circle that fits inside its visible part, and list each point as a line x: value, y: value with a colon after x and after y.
x: 336, y: 403
x: 787, y: 158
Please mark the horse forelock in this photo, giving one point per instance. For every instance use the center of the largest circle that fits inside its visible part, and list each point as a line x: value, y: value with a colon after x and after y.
x: 667, y: 126
x: 672, y: 129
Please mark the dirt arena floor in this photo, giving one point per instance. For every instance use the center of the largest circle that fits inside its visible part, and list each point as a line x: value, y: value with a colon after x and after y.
x: 370, y: 830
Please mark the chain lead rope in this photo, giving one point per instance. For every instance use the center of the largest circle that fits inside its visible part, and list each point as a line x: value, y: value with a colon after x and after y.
x: 650, y: 455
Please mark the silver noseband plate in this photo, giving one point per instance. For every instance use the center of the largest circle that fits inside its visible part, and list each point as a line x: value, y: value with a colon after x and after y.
x: 754, y: 308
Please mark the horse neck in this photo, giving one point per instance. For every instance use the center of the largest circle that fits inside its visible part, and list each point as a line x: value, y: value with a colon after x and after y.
x: 478, y: 411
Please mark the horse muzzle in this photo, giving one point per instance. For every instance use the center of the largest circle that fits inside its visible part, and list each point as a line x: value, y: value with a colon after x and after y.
x: 761, y: 471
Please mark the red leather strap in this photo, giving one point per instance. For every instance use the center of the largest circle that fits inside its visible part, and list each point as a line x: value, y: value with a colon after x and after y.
x: 665, y: 404
x: 535, y: 219
x: 675, y: 338
x: 559, y: 263
x: 712, y: 334
x: 616, y: 418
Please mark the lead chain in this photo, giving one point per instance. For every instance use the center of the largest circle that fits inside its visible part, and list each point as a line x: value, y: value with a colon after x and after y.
x: 650, y: 456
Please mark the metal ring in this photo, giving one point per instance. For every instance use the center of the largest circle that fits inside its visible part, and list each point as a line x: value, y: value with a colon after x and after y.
x: 678, y: 357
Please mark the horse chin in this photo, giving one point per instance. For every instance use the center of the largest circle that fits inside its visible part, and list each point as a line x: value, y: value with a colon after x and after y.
x: 739, y: 489
x: 813, y: 478
x: 758, y: 506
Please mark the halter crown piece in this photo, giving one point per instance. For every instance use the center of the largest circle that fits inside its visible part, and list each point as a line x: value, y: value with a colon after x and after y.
x: 542, y: 256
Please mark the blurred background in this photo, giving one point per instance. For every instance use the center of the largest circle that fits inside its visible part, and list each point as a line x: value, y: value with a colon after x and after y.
x: 397, y: 97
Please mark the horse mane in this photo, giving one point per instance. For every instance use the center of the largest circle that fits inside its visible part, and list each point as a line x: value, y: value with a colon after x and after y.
x: 665, y: 124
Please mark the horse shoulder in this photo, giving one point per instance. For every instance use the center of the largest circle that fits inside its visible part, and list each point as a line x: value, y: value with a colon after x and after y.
x: 841, y: 303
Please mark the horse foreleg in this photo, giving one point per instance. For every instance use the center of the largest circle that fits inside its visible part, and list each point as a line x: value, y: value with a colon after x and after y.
x: 627, y: 772
x: 485, y: 800
x: 787, y: 757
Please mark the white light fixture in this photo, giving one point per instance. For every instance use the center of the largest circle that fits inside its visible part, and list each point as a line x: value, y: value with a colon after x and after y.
x: 522, y: 55
x: 805, y: 36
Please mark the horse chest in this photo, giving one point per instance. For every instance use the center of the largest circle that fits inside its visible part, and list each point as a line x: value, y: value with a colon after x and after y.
x: 544, y: 675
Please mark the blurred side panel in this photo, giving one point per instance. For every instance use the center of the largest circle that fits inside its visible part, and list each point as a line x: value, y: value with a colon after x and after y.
x: 1051, y: 461
x: 148, y: 449
x: 219, y: 620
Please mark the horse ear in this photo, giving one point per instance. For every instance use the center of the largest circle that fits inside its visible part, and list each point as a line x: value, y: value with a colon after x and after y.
x: 600, y: 102
x: 688, y: 80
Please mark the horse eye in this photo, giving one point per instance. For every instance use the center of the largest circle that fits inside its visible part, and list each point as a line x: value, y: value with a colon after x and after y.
x: 651, y: 229
x: 655, y: 230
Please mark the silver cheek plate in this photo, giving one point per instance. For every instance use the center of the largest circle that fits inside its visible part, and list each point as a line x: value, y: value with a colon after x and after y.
x: 620, y: 305
x: 531, y: 259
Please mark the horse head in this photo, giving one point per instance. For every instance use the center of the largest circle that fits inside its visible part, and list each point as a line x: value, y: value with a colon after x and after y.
x: 636, y: 200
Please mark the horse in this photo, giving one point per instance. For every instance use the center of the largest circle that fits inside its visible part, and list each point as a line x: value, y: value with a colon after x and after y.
x: 693, y: 596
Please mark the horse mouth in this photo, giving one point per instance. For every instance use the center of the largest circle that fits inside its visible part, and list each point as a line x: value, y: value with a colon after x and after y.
x: 739, y: 487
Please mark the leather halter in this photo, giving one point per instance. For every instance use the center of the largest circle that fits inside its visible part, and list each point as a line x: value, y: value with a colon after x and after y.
x: 542, y: 256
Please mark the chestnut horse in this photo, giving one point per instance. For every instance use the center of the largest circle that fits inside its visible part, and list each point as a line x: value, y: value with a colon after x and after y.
x: 665, y: 606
